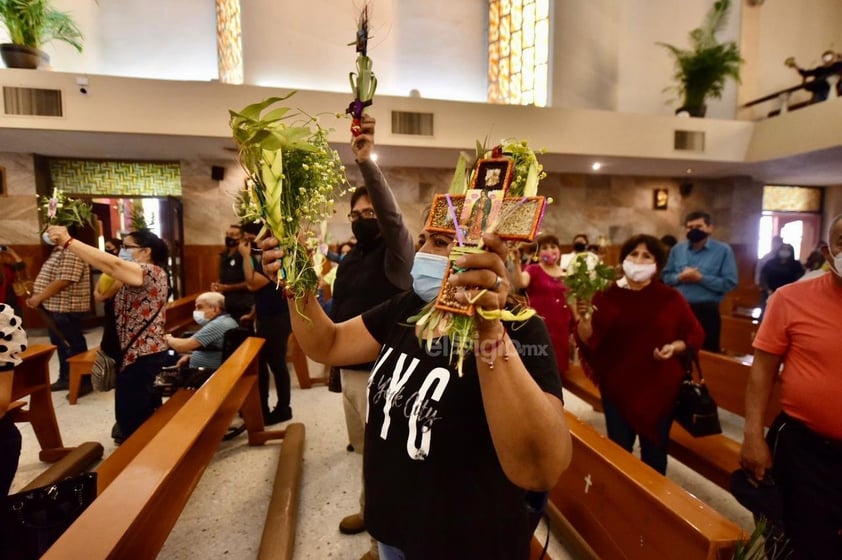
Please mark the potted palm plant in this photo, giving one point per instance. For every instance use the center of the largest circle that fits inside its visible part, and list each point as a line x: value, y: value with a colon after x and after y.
x: 31, y: 24
x: 702, y: 70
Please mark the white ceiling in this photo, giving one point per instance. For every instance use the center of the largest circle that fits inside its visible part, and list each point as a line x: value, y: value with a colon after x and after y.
x: 819, y: 168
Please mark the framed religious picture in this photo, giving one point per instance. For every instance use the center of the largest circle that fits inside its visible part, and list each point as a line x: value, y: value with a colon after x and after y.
x: 444, y: 209
x: 521, y: 217
x: 480, y: 210
x: 660, y: 199
x: 493, y: 174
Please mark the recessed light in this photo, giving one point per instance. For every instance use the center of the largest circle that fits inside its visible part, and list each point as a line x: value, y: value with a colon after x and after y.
x: 689, y: 170
x: 596, y: 166
x: 373, y: 157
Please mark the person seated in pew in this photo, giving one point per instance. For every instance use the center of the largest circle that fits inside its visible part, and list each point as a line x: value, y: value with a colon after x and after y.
x: 12, y: 342
x: 803, y: 448
x: 448, y: 460
x: 204, y: 348
x: 631, y: 346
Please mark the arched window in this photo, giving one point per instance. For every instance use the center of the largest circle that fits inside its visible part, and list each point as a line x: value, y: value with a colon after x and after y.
x: 518, y: 51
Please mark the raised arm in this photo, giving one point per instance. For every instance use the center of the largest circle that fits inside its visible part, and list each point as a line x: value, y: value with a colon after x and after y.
x: 400, y: 248
x: 527, y: 425
x: 321, y: 339
x: 129, y: 273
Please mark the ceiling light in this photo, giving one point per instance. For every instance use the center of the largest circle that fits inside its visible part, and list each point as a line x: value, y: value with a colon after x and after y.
x: 689, y: 170
x: 373, y: 156
x: 596, y: 166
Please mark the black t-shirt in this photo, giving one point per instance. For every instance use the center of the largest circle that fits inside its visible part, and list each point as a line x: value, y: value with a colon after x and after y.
x: 237, y: 302
x: 433, y: 484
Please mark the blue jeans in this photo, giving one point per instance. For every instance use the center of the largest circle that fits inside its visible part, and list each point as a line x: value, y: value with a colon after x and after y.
x: 621, y: 433
x: 388, y: 552
x: 70, y: 326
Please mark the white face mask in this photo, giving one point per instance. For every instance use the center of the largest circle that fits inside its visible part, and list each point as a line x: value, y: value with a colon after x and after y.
x: 46, y: 237
x: 199, y: 317
x: 837, y: 264
x: 639, y: 272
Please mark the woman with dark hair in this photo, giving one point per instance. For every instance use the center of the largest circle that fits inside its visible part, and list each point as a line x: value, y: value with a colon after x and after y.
x: 449, y: 456
x: 140, y: 311
x: 631, y: 345
x: 547, y: 294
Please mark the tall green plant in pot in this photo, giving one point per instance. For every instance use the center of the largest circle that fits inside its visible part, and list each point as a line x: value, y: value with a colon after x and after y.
x: 702, y: 70
x: 31, y: 24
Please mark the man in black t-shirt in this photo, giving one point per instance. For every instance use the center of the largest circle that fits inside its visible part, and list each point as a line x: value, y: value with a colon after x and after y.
x: 232, y: 282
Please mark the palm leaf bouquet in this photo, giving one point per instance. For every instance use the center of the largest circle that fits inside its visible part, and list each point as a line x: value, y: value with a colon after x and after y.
x: 292, y: 177
x: 60, y: 210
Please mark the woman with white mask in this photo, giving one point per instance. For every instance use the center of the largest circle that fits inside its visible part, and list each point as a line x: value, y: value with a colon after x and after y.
x: 632, y: 343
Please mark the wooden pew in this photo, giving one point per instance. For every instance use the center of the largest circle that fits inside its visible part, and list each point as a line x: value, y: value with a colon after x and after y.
x: 625, y: 509
x: 714, y: 457
x: 148, y: 480
x: 737, y: 335
x: 179, y: 317
x: 32, y: 379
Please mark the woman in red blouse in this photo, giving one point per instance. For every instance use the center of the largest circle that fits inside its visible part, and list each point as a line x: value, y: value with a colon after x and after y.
x: 631, y: 345
x: 140, y: 311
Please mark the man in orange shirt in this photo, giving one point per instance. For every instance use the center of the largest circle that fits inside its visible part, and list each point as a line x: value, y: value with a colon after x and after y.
x: 804, y: 447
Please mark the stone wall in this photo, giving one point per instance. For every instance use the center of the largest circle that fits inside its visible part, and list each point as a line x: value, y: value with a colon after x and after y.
x: 599, y: 205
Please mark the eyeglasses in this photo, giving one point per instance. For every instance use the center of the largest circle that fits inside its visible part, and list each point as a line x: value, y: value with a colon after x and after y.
x: 368, y: 213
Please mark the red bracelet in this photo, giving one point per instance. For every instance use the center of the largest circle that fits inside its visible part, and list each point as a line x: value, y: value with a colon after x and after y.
x: 67, y: 243
x: 492, y: 351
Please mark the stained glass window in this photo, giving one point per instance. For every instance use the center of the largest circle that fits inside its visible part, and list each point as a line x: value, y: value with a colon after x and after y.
x: 229, y: 44
x: 518, y: 51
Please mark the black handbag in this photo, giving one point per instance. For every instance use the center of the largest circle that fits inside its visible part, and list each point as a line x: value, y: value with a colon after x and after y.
x: 695, y: 410
x: 33, y: 520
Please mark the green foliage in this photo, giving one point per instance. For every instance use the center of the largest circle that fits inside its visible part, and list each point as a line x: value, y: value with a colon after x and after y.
x: 702, y: 70
x: 756, y: 548
x: 292, y: 178
x: 138, y: 217
x: 33, y: 23
x: 585, y: 276
x: 60, y: 210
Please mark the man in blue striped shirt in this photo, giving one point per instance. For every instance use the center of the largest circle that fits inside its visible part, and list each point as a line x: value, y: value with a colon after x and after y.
x: 205, y: 347
x: 703, y: 270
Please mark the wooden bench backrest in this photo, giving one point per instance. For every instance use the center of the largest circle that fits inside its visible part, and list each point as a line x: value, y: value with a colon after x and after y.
x: 737, y: 335
x: 727, y: 379
x: 180, y: 313
x: 625, y: 509
x: 33, y: 371
x: 136, y: 512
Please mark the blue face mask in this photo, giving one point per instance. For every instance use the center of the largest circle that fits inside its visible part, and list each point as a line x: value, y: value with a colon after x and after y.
x: 126, y: 255
x: 46, y: 238
x: 427, y: 275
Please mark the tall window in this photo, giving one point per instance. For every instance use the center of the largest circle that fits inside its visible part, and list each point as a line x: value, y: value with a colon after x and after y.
x: 518, y: 51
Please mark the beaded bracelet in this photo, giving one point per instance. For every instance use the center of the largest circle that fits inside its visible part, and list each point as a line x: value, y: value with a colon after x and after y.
x: 67, y: 243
